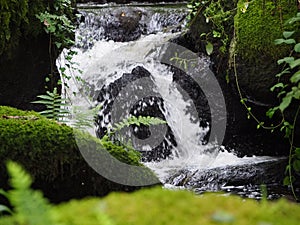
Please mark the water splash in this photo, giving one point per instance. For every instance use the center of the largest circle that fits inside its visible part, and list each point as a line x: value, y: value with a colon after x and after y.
x: 103, y: 61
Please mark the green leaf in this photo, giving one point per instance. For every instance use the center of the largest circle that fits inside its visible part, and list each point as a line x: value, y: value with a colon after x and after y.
x: 297, y: 152
x: 271, y: 112
x: 288, y: 34
x: 289, y: 41
x: 209, y: 48
x: 279, y: 85
x: 296, y: 77
x: 279, y: 41
x: 286, y: 101
x: 286, y: 71
x: 286, y: 181
x: 294, y: 63
x: 58, y: 44
x: 285, y: 60
x: 4, y: 208
x: 296, y: 165
x: 297, y: 47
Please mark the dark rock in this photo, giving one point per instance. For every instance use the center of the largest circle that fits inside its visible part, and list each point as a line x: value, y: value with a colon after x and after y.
x: 23, y: 75
x: 268, y: 172
x: 126, y: 96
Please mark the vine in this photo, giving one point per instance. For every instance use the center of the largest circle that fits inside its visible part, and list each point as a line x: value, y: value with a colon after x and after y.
x: 288, y: 89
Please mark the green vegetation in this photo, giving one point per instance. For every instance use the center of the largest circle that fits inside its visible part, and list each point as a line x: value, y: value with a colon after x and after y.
x: 218, y: 16
x: 56, y: 106
x: 257, y: 24
x: 154, y: 206
x: 18, y: 21
x: 13, y: 16
x: 44, y: 145
x: 289, y: 95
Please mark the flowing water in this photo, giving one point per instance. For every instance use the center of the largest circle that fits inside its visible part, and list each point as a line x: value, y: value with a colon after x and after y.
x: 103, y: 59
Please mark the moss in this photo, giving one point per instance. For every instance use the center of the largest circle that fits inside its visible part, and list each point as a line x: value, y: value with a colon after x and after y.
x: 18, y: 21
x: 259, y: 24
x: 44, y: 146
x: 161, y: 207
x: 157, y: 206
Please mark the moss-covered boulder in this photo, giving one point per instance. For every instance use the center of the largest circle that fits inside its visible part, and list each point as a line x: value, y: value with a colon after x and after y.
x: 49, y: 151
x: 257, y: 24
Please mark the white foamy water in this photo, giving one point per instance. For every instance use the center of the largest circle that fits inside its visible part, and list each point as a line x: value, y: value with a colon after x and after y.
x: 106, y: 61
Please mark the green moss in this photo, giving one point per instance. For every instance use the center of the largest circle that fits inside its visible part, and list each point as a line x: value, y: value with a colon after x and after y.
x: 18, y: 21
x: 163, y: 207
x: 44, y: 146
x: 259, y: 24
x: 155, y: 206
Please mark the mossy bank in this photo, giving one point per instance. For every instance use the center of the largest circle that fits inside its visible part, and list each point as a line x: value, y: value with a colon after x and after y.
x: 49, y: 151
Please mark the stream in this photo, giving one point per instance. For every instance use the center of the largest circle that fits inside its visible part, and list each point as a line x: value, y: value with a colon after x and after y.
x: 115, y: 44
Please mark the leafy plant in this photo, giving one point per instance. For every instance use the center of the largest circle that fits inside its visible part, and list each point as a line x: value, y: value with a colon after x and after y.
x: 215, y: 15
x: 288, y: 88
x: 55, y: 104
x: 288, y: 93
x: 29, y: 207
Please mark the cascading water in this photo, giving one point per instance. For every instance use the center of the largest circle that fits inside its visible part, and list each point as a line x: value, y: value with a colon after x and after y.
x: 104, y: 60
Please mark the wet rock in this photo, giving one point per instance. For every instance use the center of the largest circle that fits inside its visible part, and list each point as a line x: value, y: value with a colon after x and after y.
x: 126, y: 96
x: 268, y: 172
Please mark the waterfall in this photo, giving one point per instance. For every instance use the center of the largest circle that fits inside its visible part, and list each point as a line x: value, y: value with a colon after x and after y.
x: 113, y: 41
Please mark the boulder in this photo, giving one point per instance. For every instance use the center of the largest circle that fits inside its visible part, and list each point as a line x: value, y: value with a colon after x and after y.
x: 131, y: 99
x: 51, y: 152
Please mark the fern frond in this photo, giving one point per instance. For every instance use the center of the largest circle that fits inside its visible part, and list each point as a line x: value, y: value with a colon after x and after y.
x: 133, y: 120
x: 30, y: 207
x: 55, y: 104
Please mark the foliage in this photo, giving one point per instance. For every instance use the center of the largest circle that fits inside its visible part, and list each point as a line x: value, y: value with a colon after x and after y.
x: 257, y: 24
x: 145, y: 207
x: 84, y: 118
x: 217, y: 16
x: 31, y: 208
x: 43, y: 146
x: 112, y: 140
x: 56, y: 106
x: 58, y: 25
x: 141, y: 120
x: 13, y: 15
x: 18, y: 21
x: 288, y: 87
x: 288, y: 84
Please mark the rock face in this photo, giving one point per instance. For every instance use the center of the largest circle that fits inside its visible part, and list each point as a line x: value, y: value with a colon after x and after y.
x: 126, y: 23
x: 123, y: 97
x: 23, y: 75
x: 123, y: 25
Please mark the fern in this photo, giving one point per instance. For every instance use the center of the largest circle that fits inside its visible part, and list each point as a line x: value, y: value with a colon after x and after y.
x: 112, y: 141
x: 84, y: 118
x: 55, y: 104
x: 29, y: 206
x: 141, y: 120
